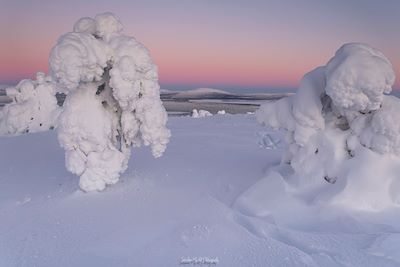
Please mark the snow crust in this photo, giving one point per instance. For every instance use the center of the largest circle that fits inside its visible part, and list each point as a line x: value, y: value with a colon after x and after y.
x: 33, y: 108
x: 117, y: 72
x: 342, y: 131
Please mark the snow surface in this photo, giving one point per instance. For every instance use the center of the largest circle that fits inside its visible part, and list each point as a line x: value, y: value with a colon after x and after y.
x: 210, y: 196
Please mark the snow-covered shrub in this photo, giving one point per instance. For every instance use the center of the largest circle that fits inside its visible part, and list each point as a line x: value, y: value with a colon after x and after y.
x: 112, y: 103
x: 33, y: 108
x: 200, y: 113
x: 342, y: 131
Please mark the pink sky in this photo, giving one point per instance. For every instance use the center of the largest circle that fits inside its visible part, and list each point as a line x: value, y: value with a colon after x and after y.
x: 225, y: 44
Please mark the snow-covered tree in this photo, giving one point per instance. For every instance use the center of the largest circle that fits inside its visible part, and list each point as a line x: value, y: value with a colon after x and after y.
x: 112, y: 100
x: 33, y: 108
x: 341, y: 128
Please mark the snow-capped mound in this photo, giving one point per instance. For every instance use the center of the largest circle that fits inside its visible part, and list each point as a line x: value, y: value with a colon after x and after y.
x: 117, y: 72
x: 338, y: 125
x: 33, y: 108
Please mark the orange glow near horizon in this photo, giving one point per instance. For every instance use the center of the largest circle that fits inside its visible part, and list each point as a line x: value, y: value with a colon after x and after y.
x: 191, y: 64
x: 205, y: 67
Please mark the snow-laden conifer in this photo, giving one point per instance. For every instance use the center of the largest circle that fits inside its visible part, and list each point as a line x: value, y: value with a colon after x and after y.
x: 112, y: 103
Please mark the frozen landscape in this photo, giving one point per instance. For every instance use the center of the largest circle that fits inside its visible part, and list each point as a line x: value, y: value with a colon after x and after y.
x: 194, y: 202
x: 101, y: 167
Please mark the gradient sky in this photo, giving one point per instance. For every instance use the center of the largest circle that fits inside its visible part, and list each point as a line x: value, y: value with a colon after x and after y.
x: 228, y: 44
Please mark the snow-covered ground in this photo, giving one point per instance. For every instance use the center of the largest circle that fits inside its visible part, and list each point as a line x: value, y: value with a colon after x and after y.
x: 206, y: 200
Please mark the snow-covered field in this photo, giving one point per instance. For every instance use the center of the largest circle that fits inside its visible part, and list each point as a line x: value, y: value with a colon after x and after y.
x: 191, y: 206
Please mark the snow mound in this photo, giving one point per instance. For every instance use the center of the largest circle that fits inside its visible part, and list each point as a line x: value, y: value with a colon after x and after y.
x: 263, y: 197
x: 342, y: 131
x: 33, y: 108
x: 201, y: 113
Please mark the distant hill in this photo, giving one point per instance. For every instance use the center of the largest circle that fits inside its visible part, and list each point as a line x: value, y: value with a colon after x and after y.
x: 210, y: 93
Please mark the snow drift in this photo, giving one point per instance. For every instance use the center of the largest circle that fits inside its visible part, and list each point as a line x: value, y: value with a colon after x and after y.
x: 342, y: 131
